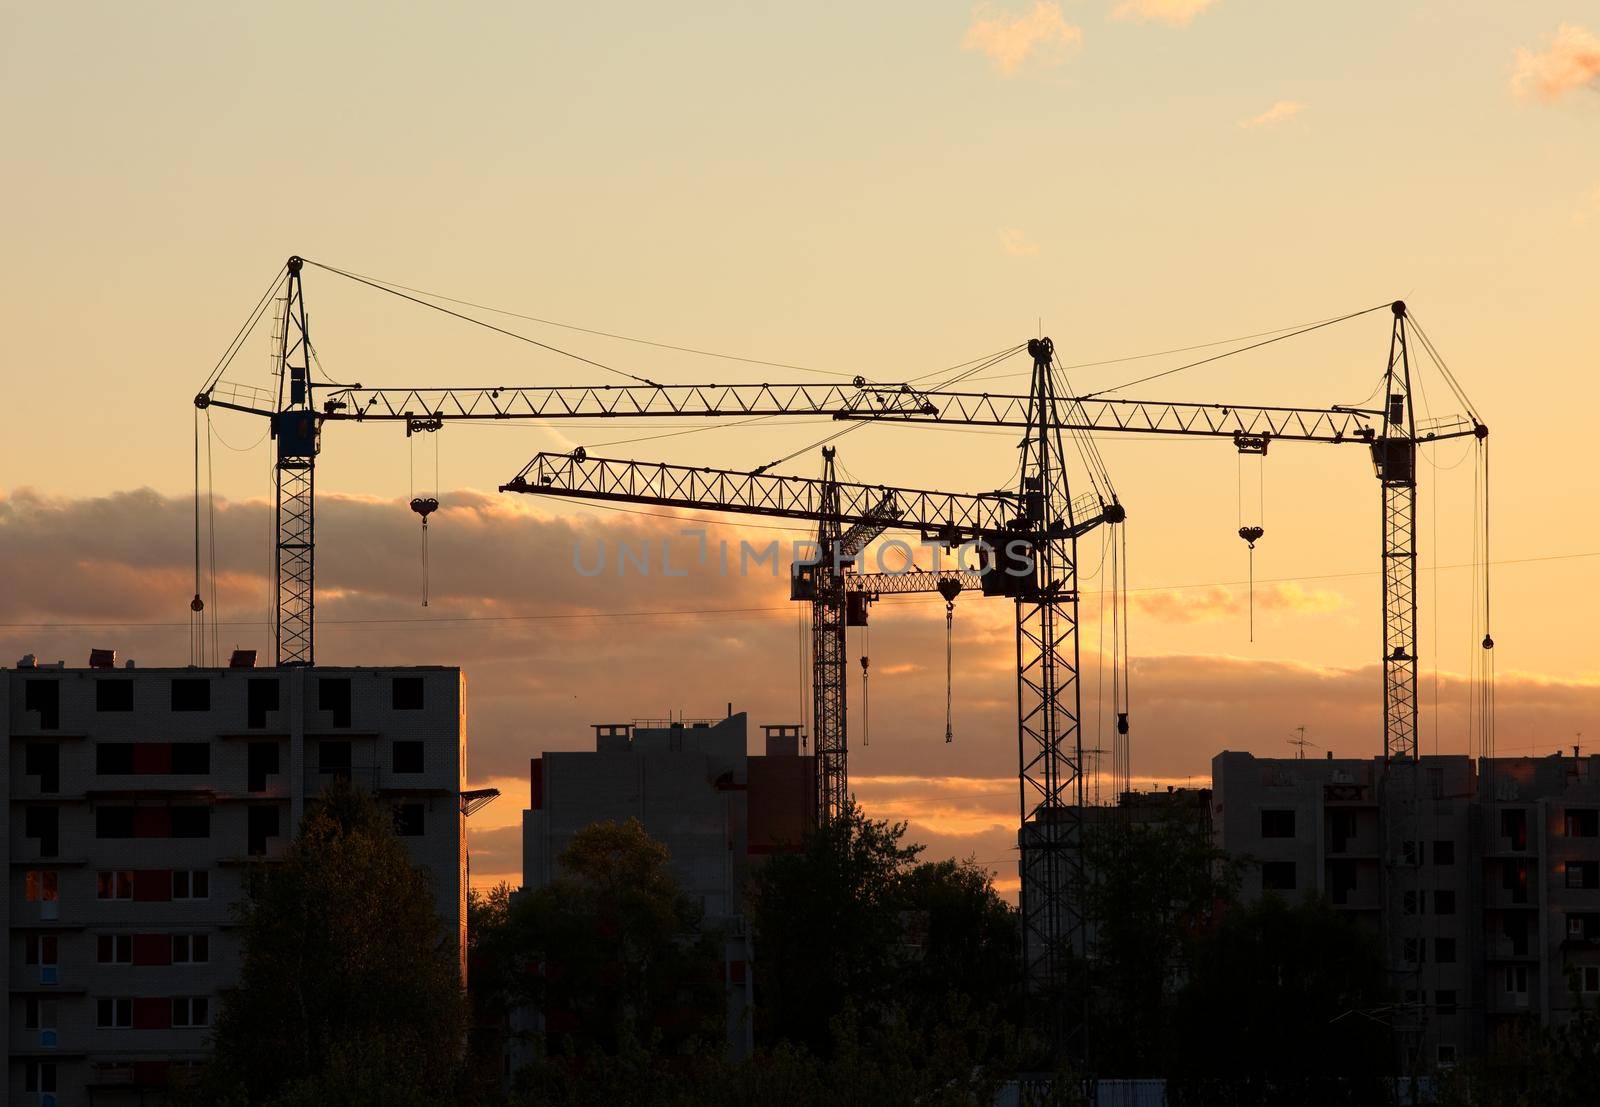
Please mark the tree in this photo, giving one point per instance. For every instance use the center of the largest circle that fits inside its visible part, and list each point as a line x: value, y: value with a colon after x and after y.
x: 1155, y: 887
x: 827, y: 926
x: 614, y: 952
x: 1284, y: 1004
x: 349, y: 989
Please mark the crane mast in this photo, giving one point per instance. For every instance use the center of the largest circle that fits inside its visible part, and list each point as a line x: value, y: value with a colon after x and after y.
x: 296, y: 429
x: 828, y: 653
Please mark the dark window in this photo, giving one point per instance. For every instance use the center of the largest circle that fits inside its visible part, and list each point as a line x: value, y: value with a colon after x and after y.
x: 1277, y: 876
x: 1415, y: 951
x: 1277, y: 824
x: 1514, y: 925
x: 1514, y: 825
x: 191, y: 694
x: 191, y: 822
x: 1341, y: 880
x: 114, y: 949
x: 1444, y: 951
x: 1444, y: 852
x: 113, y: 758
x: 262, y: 824
x: 113, y: 695
x: 1514, y: 879
x: 190, y: 949
x: 191, y: 1011
x: 191, y: 884
x: 1444, y: 902
x: 43, y: 696
x: 408, y: 820
x: 1446, y: 1053
x: 191, y: 758
x: 262, y: 762
x: 1411, y: 852
x: 43, y: 760
x: 408, y: 757
x: 1341, y: 828
x: 41, y: 949
x: 43, y: 823
x: 1583, y: 874
x: 1583, y: 822
x: 1446, y: 999
x: 333, y: 694
x: 114, y: 1013
x: 40, y: 1076
x: 113, y: 884
x: 408, y: 693
x: 333, y: 757
x: 261, y: 696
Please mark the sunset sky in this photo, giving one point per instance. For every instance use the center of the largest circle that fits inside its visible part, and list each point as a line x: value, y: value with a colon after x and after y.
x: 886, y: 189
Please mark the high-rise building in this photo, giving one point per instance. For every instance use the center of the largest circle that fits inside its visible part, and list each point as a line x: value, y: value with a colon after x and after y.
x: 139, y: 799
x: 1490, y: 903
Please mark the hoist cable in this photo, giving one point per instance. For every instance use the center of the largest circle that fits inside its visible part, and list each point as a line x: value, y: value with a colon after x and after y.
x: 949, y: 668
x: 211, y: 541
x: 194, y: 612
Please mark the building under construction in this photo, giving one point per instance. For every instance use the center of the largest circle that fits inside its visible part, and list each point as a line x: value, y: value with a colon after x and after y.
x: 1490, y: 912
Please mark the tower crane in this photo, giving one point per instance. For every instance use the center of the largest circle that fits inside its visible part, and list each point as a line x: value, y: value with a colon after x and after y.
x: 1045, y: 518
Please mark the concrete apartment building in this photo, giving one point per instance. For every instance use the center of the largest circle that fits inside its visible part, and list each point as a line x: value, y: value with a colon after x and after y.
x: 694, y: 786
x: 138, y: 798
x: 1504, y: 909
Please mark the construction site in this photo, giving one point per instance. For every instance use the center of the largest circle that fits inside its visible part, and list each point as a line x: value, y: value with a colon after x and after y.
x: 1019, y: 544
x: 648, y: 556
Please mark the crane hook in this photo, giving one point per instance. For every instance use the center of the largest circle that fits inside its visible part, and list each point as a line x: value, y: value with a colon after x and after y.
x: 424, y: 507
x: 949, y: 588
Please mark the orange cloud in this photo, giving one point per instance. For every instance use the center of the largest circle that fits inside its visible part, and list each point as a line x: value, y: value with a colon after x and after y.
x: 1198, y: 605
x: 1014, y: 242
x: 1176, y: 13
x: 1010, y: 40
x: 1571, y: 62
x: 1279, y: 112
